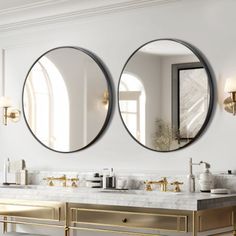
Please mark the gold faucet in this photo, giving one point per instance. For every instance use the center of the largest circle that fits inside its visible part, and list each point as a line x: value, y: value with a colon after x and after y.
x: 74, y: 182
x: 177, y: 186
x: 51, y: 179
x: 163, y: 183
x: 63, y: 179
x: 148, y: 186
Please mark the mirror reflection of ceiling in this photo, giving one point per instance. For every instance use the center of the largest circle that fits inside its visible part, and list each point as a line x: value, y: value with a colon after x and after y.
x: 165, y: 95
x: 63, y: 99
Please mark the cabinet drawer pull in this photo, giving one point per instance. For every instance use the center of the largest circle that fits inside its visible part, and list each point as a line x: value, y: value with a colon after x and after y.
x: 124, y: 220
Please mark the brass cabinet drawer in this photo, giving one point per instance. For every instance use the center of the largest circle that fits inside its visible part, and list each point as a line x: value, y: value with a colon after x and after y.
x: 129, y: 219
x: 32, y: 209
x: 215, y: 219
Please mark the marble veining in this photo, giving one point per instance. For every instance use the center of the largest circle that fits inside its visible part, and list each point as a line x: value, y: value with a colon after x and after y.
x: 133, y: 198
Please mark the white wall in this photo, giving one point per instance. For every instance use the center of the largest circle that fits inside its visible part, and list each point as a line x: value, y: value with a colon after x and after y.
x: 209, y: 25
x: 146, y: 68
x: 166, y: 63
x: 85, y: 83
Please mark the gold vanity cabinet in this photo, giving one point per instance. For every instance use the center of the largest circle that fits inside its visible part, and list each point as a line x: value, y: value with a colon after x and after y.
x: 36, y: 213
x: 212, y: 219
x: 130, y: 220
x: 126, y: 219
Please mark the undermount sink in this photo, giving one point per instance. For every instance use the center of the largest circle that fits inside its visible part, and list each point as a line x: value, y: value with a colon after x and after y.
x: 107, y: 191
x: 116, y: 191
x: 138, y: 192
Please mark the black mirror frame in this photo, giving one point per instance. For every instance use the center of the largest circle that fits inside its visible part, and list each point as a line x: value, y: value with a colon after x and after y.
x: 206, y: 66
x: 110, y: 98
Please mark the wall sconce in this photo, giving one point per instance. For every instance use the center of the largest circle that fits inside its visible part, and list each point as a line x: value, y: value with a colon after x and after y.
x: 230, y: 102
x: 9, y: 112
x: 105, y: 98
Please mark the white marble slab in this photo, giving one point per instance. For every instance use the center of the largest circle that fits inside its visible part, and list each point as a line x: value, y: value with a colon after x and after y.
x: 132, y: 198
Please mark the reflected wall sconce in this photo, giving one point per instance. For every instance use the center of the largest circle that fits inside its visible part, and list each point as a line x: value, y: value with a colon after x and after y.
x: 230, y: 102
x: 105, y: 98
x: 9, y: 112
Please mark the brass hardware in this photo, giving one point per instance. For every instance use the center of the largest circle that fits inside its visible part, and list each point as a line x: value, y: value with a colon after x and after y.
x: 194, y: 223
x: 230, y: 105
x: 10, y: 113
x: 114, y: 231
x: 74, y: 185
x: 230, y: 102
x: 63, y: 179
x: 212, y: 219
x: 148, y: 186
x: 105, y: 98
x: 163, y: 183
x: 176, y: 186
x: 33, y: 209
x: 35, y: 213
x: 127, y: 219
x: 50, y: 183
x: 67, y: 220
x: 138, y: 220
x: 74, y: 182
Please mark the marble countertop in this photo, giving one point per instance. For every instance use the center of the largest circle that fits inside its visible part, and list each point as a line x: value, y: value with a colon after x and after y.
x: 132, y: 198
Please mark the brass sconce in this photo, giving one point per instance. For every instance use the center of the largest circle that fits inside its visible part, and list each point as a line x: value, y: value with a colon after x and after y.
x: 105, y: 98
x: 230, y: 102
x: 9, y: 112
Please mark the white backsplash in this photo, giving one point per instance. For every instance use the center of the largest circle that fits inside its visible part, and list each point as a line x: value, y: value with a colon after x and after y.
x: 133, y: 180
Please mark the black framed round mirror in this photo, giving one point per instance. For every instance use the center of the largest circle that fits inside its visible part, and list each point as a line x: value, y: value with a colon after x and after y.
x: 165, y: 95
x: 67, y: 99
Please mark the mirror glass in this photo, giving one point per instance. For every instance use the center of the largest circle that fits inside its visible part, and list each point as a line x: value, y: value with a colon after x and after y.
x: 67, y: 99
x: 165, y: 95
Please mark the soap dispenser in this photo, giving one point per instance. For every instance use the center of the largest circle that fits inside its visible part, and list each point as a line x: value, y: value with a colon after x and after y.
x: 112, y: 179
x: 206, y: 179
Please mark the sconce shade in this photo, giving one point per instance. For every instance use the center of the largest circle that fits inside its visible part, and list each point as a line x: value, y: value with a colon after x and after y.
x: 5, y: 101
x: 230, y: 102
x: 230, y: 85
x: 105, y: 98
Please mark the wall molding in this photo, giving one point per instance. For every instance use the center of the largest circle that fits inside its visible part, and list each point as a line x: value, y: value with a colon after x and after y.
x: 29, y: 6
x: 105, y: 8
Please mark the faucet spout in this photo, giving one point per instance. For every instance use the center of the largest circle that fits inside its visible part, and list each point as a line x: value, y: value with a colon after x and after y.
x: 191, y: 176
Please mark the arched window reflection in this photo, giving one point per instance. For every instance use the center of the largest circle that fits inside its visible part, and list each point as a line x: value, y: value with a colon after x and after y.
x: 44, y: 89
x: 132, y: 105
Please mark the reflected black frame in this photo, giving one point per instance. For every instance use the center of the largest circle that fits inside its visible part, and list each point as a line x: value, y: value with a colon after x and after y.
x: 107, y: 76
x: 205, y: 65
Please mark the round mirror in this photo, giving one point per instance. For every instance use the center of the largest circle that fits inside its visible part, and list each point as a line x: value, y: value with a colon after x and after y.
x: 165, y: 95
x: 67, y: 99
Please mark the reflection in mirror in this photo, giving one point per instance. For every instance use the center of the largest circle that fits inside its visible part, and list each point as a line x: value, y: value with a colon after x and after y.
x: 165, y: 95
x: 66, y: 99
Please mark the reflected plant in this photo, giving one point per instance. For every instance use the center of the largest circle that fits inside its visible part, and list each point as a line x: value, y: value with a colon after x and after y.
x: 165, y: 135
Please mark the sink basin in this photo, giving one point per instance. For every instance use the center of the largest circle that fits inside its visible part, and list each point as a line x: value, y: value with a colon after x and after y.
x: 116, y: 191
x: 139, y: 192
